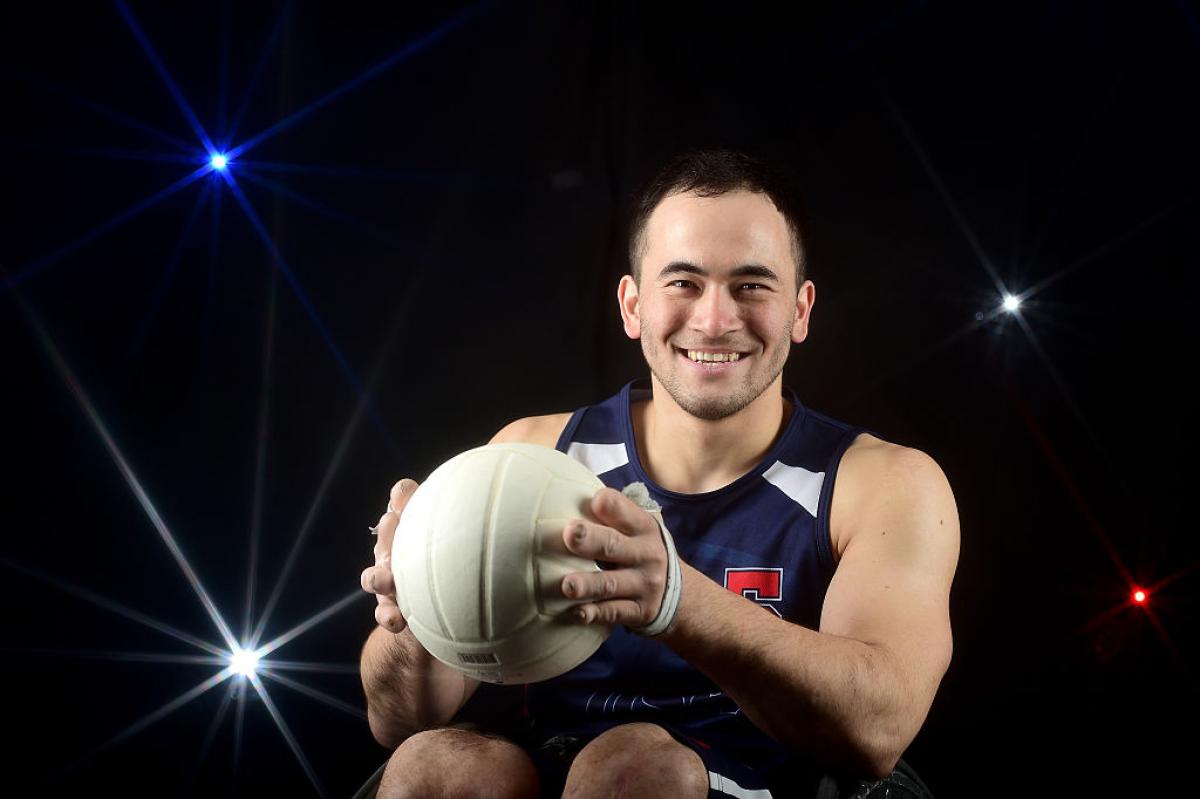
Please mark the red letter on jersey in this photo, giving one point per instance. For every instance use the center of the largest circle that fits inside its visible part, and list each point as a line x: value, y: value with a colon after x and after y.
x: 759, y: 585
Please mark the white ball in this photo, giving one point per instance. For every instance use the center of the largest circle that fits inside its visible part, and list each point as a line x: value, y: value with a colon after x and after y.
x: 479, y: 560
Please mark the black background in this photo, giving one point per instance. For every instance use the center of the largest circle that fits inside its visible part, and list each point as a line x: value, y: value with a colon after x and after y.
x: 461, y: 248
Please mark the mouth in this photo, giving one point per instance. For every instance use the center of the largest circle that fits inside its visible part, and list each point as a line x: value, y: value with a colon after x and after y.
x: 715, y: 360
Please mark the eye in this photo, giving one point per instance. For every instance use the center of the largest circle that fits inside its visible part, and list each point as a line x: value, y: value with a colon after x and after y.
x: 754, y: 286
x: 681, y: 284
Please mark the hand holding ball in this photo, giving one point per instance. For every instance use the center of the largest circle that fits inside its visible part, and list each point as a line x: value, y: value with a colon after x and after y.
x: 478, y: 561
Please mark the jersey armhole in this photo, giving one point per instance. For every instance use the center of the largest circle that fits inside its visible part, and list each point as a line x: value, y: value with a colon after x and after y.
x: 824, y: 533
x: 564, y: 438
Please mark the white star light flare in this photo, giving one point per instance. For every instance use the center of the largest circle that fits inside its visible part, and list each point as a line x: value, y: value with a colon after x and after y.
x: 244, y: 662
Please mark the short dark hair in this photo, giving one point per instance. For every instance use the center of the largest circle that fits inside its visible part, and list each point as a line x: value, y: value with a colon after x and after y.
x: 712, y: 173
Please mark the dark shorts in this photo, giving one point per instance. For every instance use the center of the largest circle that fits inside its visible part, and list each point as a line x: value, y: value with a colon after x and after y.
x: 745, y: 771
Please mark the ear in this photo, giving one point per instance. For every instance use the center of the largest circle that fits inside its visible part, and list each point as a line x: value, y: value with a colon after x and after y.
x: 627, y: 300
x: 804, y: 305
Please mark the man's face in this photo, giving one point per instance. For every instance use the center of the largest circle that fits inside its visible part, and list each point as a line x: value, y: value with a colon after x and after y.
x: 718, y: 282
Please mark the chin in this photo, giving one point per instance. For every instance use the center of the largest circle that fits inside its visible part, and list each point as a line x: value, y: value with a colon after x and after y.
x: 714, y: 406
x: 714, y: 411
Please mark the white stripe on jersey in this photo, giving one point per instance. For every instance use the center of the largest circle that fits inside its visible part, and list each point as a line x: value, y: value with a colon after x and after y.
x: 803, y: 486
x: 600, y: 458
x: 727, y: 786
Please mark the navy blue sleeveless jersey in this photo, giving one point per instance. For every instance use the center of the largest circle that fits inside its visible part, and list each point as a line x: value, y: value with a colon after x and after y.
x: 764, y: 536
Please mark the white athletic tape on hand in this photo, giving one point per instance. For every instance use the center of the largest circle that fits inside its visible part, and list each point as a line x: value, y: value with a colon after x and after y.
x: 671, y: 591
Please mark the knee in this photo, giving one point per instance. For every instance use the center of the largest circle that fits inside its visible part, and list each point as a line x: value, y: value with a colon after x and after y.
x: 458, y: 763
x: 637, y: 760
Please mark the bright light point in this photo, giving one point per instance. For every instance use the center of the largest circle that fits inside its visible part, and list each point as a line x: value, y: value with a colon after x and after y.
x: 1011, y: 303
x: 244, y: 662
x: 1139, y: 596
x: 218, y: 161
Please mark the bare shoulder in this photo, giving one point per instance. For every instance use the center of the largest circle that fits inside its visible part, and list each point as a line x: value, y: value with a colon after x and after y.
x: 875, y: 473
x: 543, y: 430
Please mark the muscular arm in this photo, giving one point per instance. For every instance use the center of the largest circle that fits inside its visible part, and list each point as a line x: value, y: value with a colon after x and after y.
x: 407, y: 689
x: 855, y: 693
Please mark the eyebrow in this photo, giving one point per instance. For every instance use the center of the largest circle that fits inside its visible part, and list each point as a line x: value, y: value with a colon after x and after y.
x: 745, y: 270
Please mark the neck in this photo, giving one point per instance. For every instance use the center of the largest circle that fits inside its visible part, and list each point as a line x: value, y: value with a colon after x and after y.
x: 692, y: 456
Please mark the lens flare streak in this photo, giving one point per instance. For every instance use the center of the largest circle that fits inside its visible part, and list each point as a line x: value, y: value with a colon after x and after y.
x: 1109, y: 245
x: 115, y: 153
x: 298, y: 290
x: 940, y: 185
x: 325, y: 668
x: 133, y: 657
x: 286, y: 732
x: 268, y: 48
x: 150, y: 718
x: 412, y: 177
x: 164, y: 284
x: 1072, y: 488
x: 116, y: 607
x: 211, y: 736
x: 174, y: 90
x: 132, y: 481
x: 260, y: 453
x: 907, y: 365
x: 313, y: 693
x: 112, y: 114
x: 305, y: 626
x: 239, y: 725
x: 395, y: 58
x: 63, y: 252
x: 325, y: 210
x: 297, y: 544
x: 1069, y: 398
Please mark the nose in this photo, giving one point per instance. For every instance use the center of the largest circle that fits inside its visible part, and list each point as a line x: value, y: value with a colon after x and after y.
x: 715, y: 314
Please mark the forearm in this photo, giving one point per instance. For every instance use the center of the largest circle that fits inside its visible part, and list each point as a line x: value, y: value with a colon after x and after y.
x: 837, y: 698
x: 407, y: 689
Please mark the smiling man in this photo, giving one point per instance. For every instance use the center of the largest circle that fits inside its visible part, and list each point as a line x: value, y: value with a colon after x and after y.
x: 799, y: 624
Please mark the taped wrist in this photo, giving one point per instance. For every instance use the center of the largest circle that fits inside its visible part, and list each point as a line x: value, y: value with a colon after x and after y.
x: 671, y: 591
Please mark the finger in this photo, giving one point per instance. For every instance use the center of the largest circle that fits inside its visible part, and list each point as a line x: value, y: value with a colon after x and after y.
x: 378, y: 580
x: 595, y: 541
x: 614, y: 583
x: 385, y: 533
x: 400, y: 494
x: 390, y: 619
x: 612, y: 612
x: 614, y: 509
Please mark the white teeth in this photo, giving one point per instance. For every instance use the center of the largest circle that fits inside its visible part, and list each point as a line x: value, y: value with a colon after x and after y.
x: 700, y: 355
